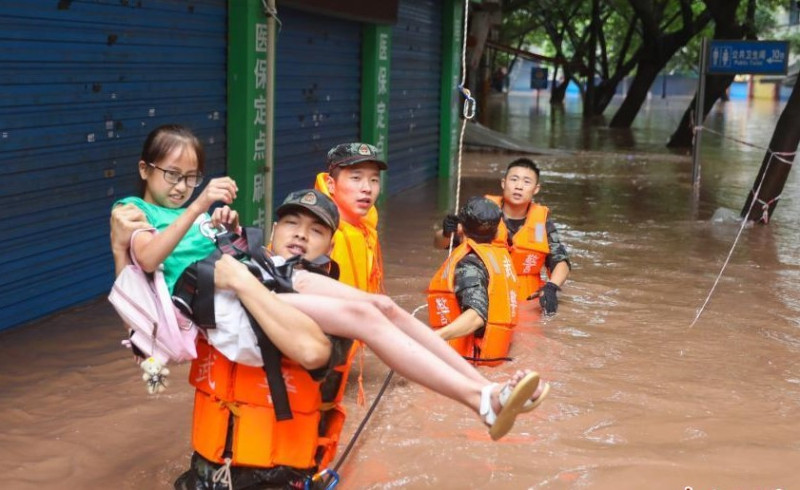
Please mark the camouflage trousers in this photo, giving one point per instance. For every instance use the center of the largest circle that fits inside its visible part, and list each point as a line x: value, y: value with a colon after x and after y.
x: 201, y: 476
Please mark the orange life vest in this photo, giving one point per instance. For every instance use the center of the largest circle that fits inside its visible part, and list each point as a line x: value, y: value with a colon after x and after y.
x: 529, y: 247
x: 226, y: 391
x: 443, y: 306
x: 357, y: 251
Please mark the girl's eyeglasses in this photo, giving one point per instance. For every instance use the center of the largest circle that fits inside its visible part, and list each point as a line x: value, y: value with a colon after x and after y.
x: 174, y: 177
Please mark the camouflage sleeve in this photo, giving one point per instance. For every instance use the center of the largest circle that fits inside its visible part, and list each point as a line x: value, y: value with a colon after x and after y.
x: 558, y: 252
x: 471, y: 283
x: 340, y: 347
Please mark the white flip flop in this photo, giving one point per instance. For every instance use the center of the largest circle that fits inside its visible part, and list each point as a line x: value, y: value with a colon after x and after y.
x: 512, y: 401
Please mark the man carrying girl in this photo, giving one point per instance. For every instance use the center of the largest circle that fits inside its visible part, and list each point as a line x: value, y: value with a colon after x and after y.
x: 230, y: 400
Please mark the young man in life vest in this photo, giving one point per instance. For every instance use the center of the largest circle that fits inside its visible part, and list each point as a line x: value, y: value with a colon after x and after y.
x: 353, y: 181
x: 529, y: 234
x: 472, y: 299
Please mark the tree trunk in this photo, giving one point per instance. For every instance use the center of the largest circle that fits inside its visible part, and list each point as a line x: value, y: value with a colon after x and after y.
x: 716, y: 85
x: 605, y: 94
x: 558, y: 92
x: 637, y: 94
x: 777, y: 162
x: 588, y: 100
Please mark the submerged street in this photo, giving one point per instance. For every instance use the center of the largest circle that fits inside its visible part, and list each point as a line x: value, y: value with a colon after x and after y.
x: 639, y: 398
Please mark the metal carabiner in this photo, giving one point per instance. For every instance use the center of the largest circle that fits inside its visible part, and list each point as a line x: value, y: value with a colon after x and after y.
x: 469, y: 102
x: 209, y: 231
x: 317, y: 479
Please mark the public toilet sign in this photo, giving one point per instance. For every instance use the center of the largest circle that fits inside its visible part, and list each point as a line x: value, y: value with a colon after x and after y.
x: 724, y: 57
x: 755, y: 57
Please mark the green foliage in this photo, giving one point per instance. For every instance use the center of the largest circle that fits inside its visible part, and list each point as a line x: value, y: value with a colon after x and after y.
x: 794, y: 41
x: 555, y: 27
x: 686, y: 60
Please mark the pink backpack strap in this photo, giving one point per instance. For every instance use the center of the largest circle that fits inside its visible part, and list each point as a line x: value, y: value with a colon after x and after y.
x: 175, y: 340
x: 130, y: 247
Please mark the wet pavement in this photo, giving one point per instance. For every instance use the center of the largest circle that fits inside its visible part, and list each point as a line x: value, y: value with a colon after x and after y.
x: 640, y: 398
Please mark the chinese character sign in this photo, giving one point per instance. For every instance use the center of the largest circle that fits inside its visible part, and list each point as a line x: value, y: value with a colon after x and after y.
x: 756, y: 57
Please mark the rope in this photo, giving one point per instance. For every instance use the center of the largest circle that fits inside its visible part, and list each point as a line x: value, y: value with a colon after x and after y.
x: 786, y: 157
x: 363, y: 422
x: 366, y: 418
x: 781, y: 156
x: 731, y: 138
x: 765, y: 206
x: 223, y: 475
x: 464, y: 45
x: 271, y: 12
x: 487, y: 359
x: 468, y: 113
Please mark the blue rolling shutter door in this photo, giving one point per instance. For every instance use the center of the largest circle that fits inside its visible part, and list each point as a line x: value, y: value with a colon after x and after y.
x: 317, y: 95
x: 415, y: 85
x: 82, y: 84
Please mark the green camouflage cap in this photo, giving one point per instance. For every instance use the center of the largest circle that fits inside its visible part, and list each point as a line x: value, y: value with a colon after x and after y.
x: 314, y: 202
x: 479, y: 218
x: 348, y: 154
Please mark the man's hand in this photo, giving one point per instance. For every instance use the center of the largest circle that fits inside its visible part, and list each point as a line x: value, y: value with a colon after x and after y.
x: 548, y: 298
x: 124, y: 221
x: 229, y: 273
x: 449, y: 225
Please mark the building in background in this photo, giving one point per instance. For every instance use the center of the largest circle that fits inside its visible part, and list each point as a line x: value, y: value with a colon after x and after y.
x: 83, y: 83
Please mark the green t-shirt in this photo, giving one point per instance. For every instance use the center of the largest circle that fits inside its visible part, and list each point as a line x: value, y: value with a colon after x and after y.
x: 193, y: 247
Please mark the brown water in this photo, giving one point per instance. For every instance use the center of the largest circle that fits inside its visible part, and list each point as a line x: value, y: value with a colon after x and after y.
x: 639, y: 399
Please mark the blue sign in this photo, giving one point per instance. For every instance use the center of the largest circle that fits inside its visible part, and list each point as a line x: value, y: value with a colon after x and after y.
x: 539, y: 78
x: 757, y: 57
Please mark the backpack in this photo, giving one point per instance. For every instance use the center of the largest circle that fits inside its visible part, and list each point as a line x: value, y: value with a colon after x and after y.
x: 157, y: 328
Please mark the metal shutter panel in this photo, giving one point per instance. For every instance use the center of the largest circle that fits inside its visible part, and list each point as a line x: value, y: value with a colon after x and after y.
x: 317, y: 95
x: 416, y: 67
x: 82, y: 84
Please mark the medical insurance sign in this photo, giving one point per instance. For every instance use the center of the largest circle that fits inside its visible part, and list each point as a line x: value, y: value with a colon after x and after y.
x: 248, y: 43
x: 376, y: 58
x: 755, y: 57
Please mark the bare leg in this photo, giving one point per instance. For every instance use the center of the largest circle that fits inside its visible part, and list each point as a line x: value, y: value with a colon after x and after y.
x: 308, y: 283
x: 389, y: 312
x: 497, y: 405
x: 362, y: 321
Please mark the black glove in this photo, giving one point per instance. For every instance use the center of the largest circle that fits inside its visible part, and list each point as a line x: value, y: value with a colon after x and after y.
x: 548, y: 298
x: 449, y: 224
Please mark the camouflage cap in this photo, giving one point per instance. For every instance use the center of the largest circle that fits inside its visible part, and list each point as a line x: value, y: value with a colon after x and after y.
x: 348, y: 154
x: 479, y: 218
x: 313, y: 201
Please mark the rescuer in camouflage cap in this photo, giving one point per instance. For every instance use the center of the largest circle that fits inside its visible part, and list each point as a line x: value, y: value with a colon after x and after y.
x: 348, y: 154
x: 314, y: 202
x: 479, y: 218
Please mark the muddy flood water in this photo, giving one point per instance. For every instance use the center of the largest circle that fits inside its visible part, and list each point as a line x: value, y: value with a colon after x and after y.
x: 639, y: 398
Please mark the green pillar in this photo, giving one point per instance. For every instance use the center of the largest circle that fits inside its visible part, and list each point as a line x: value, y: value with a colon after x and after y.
x: 375, y: 59
x: 450, y: 102
x: 249, y: 118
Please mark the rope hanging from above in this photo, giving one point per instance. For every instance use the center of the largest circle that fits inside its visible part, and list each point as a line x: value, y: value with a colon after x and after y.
x: 773, y: 155
x: 468, y: 112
